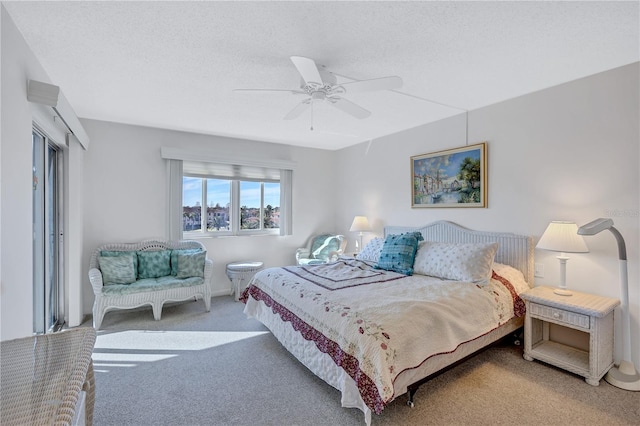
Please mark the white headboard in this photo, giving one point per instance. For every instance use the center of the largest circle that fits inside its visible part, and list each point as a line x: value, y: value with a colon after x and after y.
x: 515, y: 250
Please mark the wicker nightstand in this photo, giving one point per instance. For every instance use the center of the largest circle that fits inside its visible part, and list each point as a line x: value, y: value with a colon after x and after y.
x: 571, y: 332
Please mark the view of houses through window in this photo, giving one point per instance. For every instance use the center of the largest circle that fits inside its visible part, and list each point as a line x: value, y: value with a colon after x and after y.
x: 224, y: 206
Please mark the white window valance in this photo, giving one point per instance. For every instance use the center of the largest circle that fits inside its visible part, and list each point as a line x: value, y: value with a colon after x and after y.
x: 230, y: 171
x: 192, y: 156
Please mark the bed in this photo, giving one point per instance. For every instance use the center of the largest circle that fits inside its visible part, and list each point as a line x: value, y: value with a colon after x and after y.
x: 376, y: 332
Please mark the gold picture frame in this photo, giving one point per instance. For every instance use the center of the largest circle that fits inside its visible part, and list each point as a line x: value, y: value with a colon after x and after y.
x: 450, y: 178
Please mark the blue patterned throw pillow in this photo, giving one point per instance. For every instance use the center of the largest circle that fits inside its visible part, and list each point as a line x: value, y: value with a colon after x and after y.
x: 117, y: 269
x: 174, y: 258
x: 154, y: 264
x: 113, y: 253
x: 399, y: 252
x: 191, y: 265
x: 323, y: 246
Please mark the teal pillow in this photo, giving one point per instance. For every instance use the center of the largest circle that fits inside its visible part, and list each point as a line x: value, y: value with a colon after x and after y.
x: 324, y: 246
x: 154, y: 264
x: 117, y: 269
x: 318, y: 244
x: 174, y: 258
x: 399, y: 252
x: 191, y: 265
x: 112, y: 253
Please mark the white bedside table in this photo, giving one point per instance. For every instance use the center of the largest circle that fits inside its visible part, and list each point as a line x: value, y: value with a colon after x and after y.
x: 240, y: 273
x: 571, y: 332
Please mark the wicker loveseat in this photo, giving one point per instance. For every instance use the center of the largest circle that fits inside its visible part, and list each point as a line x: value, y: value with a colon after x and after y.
x: 152, y: 272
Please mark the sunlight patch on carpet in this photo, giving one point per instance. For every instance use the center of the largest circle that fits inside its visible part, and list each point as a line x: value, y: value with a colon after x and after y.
x: 170, y: 340
x: 101, y: 358
x: 130, y: 348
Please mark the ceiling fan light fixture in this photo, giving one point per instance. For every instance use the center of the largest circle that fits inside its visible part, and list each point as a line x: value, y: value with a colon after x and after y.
x: 321, y: 85
x: 318, y: 95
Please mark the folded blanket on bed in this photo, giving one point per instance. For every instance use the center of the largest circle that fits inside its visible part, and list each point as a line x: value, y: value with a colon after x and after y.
x: 375, y: 323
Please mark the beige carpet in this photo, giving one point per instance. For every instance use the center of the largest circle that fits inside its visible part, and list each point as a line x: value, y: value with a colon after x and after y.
x: 219, y: 368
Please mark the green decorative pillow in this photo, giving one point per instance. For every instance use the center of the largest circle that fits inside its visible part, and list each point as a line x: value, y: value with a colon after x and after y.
x: 154, y: 264
x: 117, y: 269
x: 324, y: 246
x: 113, y: 253
x: 399, y: 252
x: 318, y: 244
x: 191, y: 264
x: 174, y: 258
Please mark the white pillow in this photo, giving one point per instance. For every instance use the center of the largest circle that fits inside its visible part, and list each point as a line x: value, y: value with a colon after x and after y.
x: 514, y: 276
x: 371, y: 252
x: 460, y: 262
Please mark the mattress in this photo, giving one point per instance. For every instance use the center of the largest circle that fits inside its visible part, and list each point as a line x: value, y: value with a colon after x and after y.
x: 371, y: 333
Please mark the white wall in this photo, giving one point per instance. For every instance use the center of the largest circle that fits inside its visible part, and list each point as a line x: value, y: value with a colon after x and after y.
x: 125, y: 194
x: 18, y: 65
x: 124, y: 180
x: 570, y: 152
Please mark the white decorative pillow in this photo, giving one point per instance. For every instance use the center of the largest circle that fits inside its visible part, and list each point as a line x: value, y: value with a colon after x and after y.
x: 460, y: 262
x: 371, y: 252
x: 514, y: 276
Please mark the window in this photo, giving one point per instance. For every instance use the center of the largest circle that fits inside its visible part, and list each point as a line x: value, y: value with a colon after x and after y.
x: 210, y: 196
x: 208, y: 206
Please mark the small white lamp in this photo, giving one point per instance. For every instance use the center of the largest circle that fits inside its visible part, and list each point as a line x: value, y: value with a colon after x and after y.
x: 563, y: 237
x: 625, y: 375
x: 360, y: 224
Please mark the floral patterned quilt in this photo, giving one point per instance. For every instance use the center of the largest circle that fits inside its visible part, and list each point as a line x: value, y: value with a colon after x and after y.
x: 374, y: 323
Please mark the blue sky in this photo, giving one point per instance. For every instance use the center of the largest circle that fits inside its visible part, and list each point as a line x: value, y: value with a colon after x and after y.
x: 218, y: 192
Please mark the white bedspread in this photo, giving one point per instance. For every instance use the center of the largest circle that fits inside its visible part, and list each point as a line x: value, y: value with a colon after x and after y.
x: 375, y: 324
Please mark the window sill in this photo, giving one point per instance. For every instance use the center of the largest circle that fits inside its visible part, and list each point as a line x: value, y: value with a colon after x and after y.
x: 201, y: 236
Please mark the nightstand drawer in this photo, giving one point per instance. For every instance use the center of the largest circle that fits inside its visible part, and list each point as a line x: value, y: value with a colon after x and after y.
x: 560, y: 315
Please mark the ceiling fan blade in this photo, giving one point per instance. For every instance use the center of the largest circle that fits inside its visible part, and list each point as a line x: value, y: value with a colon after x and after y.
x: 350, y: 108
x: 383, y: 83
x: 307, y: 69
x: 269, y: 91
x: 299, y: 109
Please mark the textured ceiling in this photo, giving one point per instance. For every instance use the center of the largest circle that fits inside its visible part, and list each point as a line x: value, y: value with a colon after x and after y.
x: 174, y: 65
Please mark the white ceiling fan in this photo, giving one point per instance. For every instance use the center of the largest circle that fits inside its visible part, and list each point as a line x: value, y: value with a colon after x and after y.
x: 320, y: 86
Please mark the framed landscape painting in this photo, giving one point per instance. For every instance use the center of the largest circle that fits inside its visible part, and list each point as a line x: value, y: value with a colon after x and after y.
x: 451, y: 178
